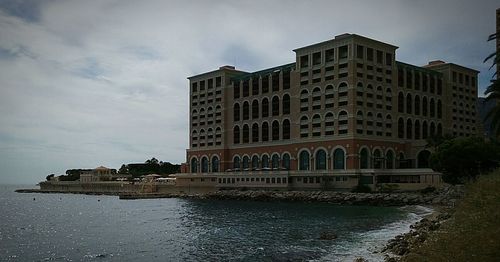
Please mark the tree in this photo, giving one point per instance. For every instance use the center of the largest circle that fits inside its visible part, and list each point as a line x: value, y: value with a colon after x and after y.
x: 463, y: 159
x: 493, y: 91
x: 49, y: 177
x: 123, y: 169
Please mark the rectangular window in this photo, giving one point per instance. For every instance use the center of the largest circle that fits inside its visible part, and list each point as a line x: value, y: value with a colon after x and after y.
x: 454, y: 76
x: 202, y: 85
x: 360, y: 51
x: 369, y: 54
x: 343, y: 51
x: 317, y: 58
x: 265, y: 84
x: 194, y: 87
x: 330, y: 55
x: 304, y: 61
x: 380, y: 55
x: 236, y: 89
x: 210, y: 83
x: 218, y: 81
x: 388, y: 59
x: 276, y: 81
x: 286, y: 80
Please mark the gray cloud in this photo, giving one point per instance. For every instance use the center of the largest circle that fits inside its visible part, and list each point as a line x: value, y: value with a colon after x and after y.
x: 85, y: 83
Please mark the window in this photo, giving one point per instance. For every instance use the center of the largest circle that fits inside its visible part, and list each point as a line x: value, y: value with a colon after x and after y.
x: 417, y: 129
x: 255, y: 109
x: 363, y: 159
x: 246, y: 134
x: 408, y: 104
x: 265, y: 107
x: 286, y: 104
x: 194, y: 165
x: 343, y: 50
x: 304, y: 61
x: 360, y: 51
x: 369, y: 54
x: 204, y: 165
x: 246, y: 88
x: 236, y: 90
x: 218, y: 81
x: 246, y: 163
x: 236, y: 134
x: 338, y: 159
x: 388, y: 59
x: 424, y: 106
x: 246, y: 110
x: 401, y: 103
x: 265, y: 84
x: 276, y: 106
x: 255, y: 132
x: 194, y: 87
x: 401, y: 128
x: 317, y: 58
x: 276, y: 81
x: 304, y: 126
x: 215, y: 164
x: 389, y: 159
x: 380, y: 56
x: 276, y: 130
x: 286, y: 79
x: 265, y: 132
x: 286, y: 161
x: 432, y: 108
x: 286, y: 129
x: 424, y: 130
x: 265, y: 161
x: 417, y: 105
x: 330, y: 55
x: 236, y: 162
x: 304, y: 160
x: 255, y: 162
x: 275, y: 161
x: 255, y: 86
x: 320, y: 160
x: 409, y: 129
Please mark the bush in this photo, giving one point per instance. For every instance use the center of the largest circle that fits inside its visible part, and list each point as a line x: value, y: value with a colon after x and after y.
x: 428, y: 189
x: 362, y: 189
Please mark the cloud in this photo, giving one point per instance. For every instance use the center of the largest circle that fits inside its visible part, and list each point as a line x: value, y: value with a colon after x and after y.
x: 85, y: 83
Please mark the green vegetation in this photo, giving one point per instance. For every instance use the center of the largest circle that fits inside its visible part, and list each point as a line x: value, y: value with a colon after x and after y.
x: 361, y: 188
x: 151, y: 166
x: 473, y: 231
x: 463, y: 159
x: 493, y: 90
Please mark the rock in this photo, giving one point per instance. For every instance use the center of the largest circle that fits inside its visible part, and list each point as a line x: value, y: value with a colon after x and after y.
x: 327, y: 236
x: 360, y: 259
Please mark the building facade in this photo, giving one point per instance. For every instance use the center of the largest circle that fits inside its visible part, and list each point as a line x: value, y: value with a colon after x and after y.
x: 344, y: 106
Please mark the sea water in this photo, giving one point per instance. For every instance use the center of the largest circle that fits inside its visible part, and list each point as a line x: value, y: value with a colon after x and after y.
x: 67, y: 227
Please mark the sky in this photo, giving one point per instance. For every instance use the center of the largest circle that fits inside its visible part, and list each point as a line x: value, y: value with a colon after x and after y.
x: 104, y: 82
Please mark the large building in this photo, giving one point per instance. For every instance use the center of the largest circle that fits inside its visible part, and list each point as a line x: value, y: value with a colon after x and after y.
x: 344, y: 111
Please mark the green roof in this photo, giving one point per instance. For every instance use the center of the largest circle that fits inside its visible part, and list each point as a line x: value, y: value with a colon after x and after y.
x: 264, y: 72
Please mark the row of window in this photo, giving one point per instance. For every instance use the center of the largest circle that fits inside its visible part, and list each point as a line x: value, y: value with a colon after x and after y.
x: 419, y: 106
x: 209, y: 138
x: 314, y: 127
x: 262, y: 110
x: 411, y: 79
x: 414, y: 129
x: 208, y: 117
x: 205, y: 165
x: 261, y: 134
x: 262, y: 162
x: 208, y: 84
x: 469, y: 80
x: 262, y: 84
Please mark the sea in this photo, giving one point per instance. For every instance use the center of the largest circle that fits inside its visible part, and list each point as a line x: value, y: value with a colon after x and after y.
x: 70, y: 227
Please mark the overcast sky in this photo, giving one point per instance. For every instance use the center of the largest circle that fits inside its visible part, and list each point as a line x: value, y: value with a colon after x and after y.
x: 89, y: 83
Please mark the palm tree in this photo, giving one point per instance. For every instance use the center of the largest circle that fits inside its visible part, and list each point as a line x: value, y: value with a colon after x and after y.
x: 493, y: 91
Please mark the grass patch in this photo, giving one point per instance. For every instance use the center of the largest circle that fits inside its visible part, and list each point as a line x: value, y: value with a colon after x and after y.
x: 473, y: 231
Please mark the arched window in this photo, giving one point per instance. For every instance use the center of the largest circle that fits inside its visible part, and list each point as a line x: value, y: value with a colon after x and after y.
x: 377, y: 159
x: 424, y: 130
x: 304, y: 100
x: 343, y: 122
x: 320, y: 160
x: 255, y: 132
x: 432, y: 109
x: 389, y: 159
x: 440, y: 130
x: 246, y: 134
x: 417, y: 105
x: 265, y: 161
x: 255, y: 109
x: 304, y: 160
x: 246, y: 110
x: 285, y: 161
x: 276, y: 106
x: 286, y: 104
x: 409, y: 129
x: 316, y: 124
x: 401, y: 128
x: 255, y: 162
x: 265, y: 107
x: 276, y: 161
x: 424, y: 106
x: 364, y: 159
x: 433, y: 129
x: 204, y: 165
x: 417, y: 129
x: 236, y: 134
x: 286, y: 129
x: 194, y: 165
x: 329, y: 124
x: 236, y: 112
x: 408, y: 104
x: 236, y: 162
x: 401, y: 103
x: 215, y: 164
x: 265, y: 132
x: 423, y: 159
x: 439, y: 109
x: 246, y: 162
x: 276, y: 130
x: 338, y: 159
